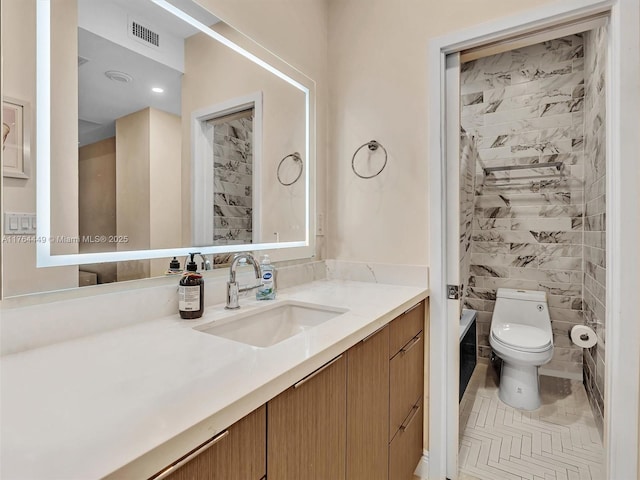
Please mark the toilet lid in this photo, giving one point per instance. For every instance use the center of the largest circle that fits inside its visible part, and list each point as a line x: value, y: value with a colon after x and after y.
x: 523, y: 337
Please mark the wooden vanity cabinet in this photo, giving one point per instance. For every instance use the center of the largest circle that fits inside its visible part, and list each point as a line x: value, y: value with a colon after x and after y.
x: 239, y: 454
x: 368, y: 408
x: 306, y: 432
x: 359, y: 416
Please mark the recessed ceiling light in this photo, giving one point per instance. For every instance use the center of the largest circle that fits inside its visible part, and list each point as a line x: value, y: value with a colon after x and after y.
x: 120, y: 77
x: 157, y: 90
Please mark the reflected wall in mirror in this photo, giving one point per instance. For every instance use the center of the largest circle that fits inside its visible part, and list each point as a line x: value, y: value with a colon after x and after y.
x: 162, y: 139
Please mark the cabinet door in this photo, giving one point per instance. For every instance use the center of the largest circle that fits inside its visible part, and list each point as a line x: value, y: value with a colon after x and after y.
x: 307, y: 427
x: 368, y: 408
x: 406, y: 382
x: 237, y: 455
x: 405, y: 327
x: 405, y: 449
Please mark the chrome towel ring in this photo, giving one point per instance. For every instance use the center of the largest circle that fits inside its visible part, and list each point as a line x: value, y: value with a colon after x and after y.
x: 297, y: 159
x: 373, y: 146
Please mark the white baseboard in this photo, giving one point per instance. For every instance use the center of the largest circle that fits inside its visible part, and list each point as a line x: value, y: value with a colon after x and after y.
x: 422, y: 470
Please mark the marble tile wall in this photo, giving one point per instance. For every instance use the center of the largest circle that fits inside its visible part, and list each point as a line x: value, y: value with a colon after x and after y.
x: 595, y: 43
x: 525, y: 107
x: 233, y: 181
x: 468, y: 161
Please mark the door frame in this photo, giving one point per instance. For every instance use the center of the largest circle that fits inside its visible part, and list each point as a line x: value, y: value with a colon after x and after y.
x: 622, y: 329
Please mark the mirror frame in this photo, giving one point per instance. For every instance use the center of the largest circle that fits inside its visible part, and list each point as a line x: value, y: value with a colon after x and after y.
x: 298, y: 249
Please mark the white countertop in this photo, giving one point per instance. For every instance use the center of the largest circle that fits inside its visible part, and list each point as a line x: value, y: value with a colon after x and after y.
x: 125, y: 403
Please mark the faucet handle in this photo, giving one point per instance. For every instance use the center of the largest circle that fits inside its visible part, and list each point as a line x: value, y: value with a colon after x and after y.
x: 232, y: 296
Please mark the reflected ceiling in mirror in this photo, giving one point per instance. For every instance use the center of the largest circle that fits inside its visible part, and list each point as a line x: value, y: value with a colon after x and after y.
x: 182, y: 124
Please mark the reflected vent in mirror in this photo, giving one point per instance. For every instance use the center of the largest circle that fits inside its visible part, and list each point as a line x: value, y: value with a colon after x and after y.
x: 143, y: 34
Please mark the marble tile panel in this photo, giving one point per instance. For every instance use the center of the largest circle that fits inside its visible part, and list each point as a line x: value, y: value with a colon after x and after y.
x: 566, y: 315
x: 232, y: 200
x: 490, y: 247
x: 595, y: 223
x: 547, y: 250
x: 547, y: 223
x: 594, y: 255
x: 231, y: 188
x: 551, y: 276
x: 545, y: 147
x: 536, y: 211
x: 558, y: 82
x: 489, y: 271
x: 504, y: 260
x: 557, y: 237
x: 595, y: 239
x: 563, y: 302
x: 495, y: 283
x: 481, y: 293
x: 558, y: 198
x: 560, y: 263
x: 232, y: 211
x: 234, y: 177
x: 573, y: 290
x: 532, y: 111
x: 230, y: 222
x: 491, y: 224
x: 472, y: 99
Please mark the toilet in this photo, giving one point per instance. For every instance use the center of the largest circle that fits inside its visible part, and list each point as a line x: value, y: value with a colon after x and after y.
x: 521, y: 336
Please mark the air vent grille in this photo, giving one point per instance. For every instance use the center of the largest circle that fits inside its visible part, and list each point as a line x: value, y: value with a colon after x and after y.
x: 145, y: 34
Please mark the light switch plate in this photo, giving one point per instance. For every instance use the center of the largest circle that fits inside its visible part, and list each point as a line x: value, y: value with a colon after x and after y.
x: 19, y: 223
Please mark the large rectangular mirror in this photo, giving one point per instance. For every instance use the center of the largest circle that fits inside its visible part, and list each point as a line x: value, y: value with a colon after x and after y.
x: 161, y: 130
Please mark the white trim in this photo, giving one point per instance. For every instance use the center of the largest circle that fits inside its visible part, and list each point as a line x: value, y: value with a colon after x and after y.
x: 422, y: 470
x: 622, y: 329
x: 202, y: 165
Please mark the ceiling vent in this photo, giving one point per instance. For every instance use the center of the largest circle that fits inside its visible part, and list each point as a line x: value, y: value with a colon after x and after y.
x: 143, y: 34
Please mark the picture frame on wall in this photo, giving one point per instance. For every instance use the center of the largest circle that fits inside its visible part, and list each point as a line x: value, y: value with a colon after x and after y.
x: 16, y: 138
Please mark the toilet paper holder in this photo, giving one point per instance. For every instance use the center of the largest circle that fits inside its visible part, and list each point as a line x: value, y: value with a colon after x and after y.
x: 583, y: 336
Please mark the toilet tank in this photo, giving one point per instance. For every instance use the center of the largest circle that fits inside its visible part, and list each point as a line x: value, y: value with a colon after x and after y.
x: 525, y: 307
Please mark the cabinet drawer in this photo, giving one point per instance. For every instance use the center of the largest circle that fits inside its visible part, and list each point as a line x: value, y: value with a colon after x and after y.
x: 405, y: 327
x: 406, y: 382
x: 405, y: 449
x: 239, y: 454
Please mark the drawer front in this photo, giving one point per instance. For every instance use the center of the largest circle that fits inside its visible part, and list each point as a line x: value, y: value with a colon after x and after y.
x: 406, y: 382
x: 405, y: 327
x: 239, y: 454
x: 405, y: 450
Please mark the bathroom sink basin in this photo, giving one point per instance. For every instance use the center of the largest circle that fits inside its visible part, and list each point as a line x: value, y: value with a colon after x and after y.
x: 272, y: 324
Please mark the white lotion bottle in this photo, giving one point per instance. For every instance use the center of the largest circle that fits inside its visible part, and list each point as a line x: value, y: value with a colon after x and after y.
x: 268, y: 289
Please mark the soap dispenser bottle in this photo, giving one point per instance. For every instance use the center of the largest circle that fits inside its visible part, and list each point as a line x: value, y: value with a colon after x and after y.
x: 191, y: 292
x: 267, y: 291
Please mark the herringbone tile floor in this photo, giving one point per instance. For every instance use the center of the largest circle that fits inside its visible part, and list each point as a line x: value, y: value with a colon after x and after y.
x: 557, y: 441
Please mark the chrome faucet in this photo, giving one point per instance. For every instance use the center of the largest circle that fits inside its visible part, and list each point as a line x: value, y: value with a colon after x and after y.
x: 232, y: 286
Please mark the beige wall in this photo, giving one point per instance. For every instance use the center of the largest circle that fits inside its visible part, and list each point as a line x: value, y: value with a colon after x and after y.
x: 148, y: 195
x: 19, y: 81
x: 97, y: 202
x: 378, y: 90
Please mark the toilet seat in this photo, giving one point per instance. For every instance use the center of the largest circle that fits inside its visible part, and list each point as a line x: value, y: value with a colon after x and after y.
x: 524, y: 338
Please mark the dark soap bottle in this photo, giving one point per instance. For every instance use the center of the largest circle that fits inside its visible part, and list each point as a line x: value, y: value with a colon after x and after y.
x: 191, y: 292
